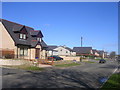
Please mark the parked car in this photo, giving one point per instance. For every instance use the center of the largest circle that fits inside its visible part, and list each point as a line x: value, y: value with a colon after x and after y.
x: 102, y: 61
x: 55, y: 58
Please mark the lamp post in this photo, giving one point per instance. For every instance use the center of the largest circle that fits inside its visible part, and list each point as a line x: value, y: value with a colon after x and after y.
x: 81, y: 41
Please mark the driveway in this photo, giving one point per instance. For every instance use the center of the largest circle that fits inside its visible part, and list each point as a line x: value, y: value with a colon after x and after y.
x: 88, y: 75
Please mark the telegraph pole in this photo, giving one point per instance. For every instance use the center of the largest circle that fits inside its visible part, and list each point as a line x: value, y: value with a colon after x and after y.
x: 81, y: 41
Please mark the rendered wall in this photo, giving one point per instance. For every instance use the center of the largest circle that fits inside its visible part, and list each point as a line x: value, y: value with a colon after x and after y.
x: 7, y: 41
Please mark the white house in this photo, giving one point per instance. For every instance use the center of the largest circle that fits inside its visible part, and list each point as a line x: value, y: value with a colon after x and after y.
x: 60, y: 51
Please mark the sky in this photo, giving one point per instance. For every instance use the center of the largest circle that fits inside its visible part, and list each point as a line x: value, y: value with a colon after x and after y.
x: 64, y: 23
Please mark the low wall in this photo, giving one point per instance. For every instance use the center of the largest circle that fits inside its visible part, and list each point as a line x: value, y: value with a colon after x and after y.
x: 77, y: 58
x: 13, y: 62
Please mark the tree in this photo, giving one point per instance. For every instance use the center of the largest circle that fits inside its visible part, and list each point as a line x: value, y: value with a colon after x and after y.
x: 112, y: 54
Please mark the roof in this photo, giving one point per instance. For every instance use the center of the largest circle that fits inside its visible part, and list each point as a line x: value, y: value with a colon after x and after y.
x: 51, y: 47
x: 100, y: 51
x: 34, y: 43
x: 94, y: 50
x: 33, y: 32
x: 13, y: 27
x: 17, y: 27
x: 43, y: 44
x: 10, y: 27
x: 82, y: 50
x: 68, y: 48
x: 36, y: 33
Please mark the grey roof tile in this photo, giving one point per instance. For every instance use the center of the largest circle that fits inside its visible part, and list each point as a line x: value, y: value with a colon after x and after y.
x: 12, y: 27
x: 51, y: 47
x: 82, y: 50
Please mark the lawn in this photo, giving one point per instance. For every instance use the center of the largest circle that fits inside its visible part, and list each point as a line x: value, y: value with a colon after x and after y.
x: 67, y: 65
x: 26, y: 67
x: 112, y: 83
x: 88, y: 61
x: 97, y: 59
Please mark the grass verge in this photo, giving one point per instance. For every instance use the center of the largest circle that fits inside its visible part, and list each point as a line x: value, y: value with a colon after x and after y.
x: 112, y: 83
x: 67, y: 65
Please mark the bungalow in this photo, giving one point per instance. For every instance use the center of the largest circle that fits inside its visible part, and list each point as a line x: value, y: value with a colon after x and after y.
x: 51, y: 50
x: 61, y: 51
x: 86, y: 51
x: 102, y: 54
x: 21, y: 41
x: 95, y: 53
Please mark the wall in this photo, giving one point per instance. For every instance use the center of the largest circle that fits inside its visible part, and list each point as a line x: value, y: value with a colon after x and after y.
x: 14, y: 62
x: 77, y: 58
x: 73, y: 53
x: 63, y: 52
x: 6, y: 39
x: 43, y: 54
x: 32, y: 50
x: 52, y: 53
x: 96, y: 54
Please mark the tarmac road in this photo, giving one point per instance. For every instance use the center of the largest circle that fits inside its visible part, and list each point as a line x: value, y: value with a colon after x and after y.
x: 88, y: 75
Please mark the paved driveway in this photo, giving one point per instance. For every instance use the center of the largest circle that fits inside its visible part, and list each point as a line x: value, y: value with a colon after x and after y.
x: 89, y: 75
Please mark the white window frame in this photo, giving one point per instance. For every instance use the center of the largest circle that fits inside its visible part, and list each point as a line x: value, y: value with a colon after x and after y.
x: 39, y: 39
x: 23, y: 36
x: 23, y: 51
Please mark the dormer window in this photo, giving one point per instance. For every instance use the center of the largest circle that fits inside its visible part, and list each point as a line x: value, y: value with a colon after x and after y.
x: 39, y: 39
x: 23, y: 36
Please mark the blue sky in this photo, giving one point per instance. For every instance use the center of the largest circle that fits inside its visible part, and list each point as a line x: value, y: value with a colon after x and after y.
x: 64, y: 23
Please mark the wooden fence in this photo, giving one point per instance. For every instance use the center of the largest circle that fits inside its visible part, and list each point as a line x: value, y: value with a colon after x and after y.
x: 7, y: 53
x: 45, y: 61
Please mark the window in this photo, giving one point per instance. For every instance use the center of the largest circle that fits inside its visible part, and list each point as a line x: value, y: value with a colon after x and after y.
x: 39, y: 39
x: 23, y: 36
x: 66, y: 51
x: 23, y: 51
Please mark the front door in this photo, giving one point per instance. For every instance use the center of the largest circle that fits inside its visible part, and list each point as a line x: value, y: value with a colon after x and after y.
x: 37, y: 53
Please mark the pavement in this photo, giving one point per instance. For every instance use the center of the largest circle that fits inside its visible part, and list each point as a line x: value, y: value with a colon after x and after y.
x: 87, y: 75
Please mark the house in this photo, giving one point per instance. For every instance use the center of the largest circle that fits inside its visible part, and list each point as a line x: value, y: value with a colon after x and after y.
x: 101, y: 53
x: 95, y: 53
x: 51, y: 50
x: 61, y: 51
x: 106, y: 54
x: 21, y: 41
x: 86, y: 51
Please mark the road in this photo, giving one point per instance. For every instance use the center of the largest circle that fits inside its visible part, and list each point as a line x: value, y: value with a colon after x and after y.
x: 87, y: 75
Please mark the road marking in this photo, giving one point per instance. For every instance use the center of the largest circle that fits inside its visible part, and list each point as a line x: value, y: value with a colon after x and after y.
x: 109, y: 76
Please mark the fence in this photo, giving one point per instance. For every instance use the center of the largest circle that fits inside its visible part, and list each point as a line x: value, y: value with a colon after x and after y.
x: 45, y: 61
x: 6, y: 53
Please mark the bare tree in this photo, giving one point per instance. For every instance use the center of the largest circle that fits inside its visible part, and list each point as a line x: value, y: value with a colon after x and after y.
x: 112, y: 54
